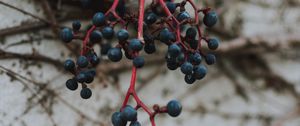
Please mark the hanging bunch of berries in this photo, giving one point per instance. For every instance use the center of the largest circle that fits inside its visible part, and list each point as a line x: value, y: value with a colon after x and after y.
x: 162, y: 21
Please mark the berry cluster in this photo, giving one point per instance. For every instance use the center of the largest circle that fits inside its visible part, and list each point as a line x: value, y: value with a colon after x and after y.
x: 163, y: 21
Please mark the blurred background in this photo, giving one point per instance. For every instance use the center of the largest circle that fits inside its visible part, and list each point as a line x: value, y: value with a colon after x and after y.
x: 256, y: 81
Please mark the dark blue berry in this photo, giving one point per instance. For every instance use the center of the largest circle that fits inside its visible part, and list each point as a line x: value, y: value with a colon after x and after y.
x: 81, y: 77
x: 210, y: 18
x: 92, y: 72
x: 183, y: 15
x: 89, y: 77
x: 66, y: 35
x: 172, y: 65
x: 190, y: 79
x: 99, y: 19
x: 105, y: 47
x: 82, y: 61
x: 69, y: 65
x: 138, y: 61
x: 76, y: 25
x: 200, y: 72
x: 150, y: 48
x: 191, y: 33
x: 115, y: 54
x: 171, y: 6
x: 196, y: 58
x: 165, y: 35
x: 96, y: 36
x: 123, y: 35
x: 150, y: 18
x: 72, y: 84
x: 213, y: 43
x: 117, y: 119
x: 135, y: 123
x: 174, y: 108
x: 129, y: 113
x: 135, y: 45
x: 85, y: 93
x: 193, y: 44
x: 108, y: 32
x: 95, y: 59
x: 210, y: 59
x: 186, y: 68
x: 174, y: 50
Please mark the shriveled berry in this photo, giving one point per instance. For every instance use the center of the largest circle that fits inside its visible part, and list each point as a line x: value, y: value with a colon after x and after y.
x: 210, y: 59
x: 72, y: 84
x: 85, y: 93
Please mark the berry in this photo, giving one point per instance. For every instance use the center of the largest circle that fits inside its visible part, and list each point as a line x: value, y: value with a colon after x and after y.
x: 105, y: 47
x: 174, y: 108
x: 135, y: 123
x: 69, y: 65
x: 191, y: 33
x: 174, y: 50
x: 165, y: 35
x: 171, y: 6
x: 81, y: 77
x: 129, y: 113
x: 99, y: 19
x: 186, y: 68
x: 138, y: 62
x: 66, y: 35
x: 150, y: 48
x: 115, y: 54
x: 193, y: 44
x: 89, y: 77
x: 82, y: 62
x: 117, y: 120
x: 85, y: 93
x: 128, y: 56
x: 95, y: 59
x: 108, y: 32
x: 96, y: 36
x: 210, y: 18
x: 135, y: 45
x: 123, y: 35
x: 172, y: 66
x: 76, y: 25
x: 189, y: 79
x: 183, y: 15
x: 196, y: 58
x: 213, y: 43
x: 72, y: 84
x: 150, y: 18
x: 200, y: 72
x: 210, y: 59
